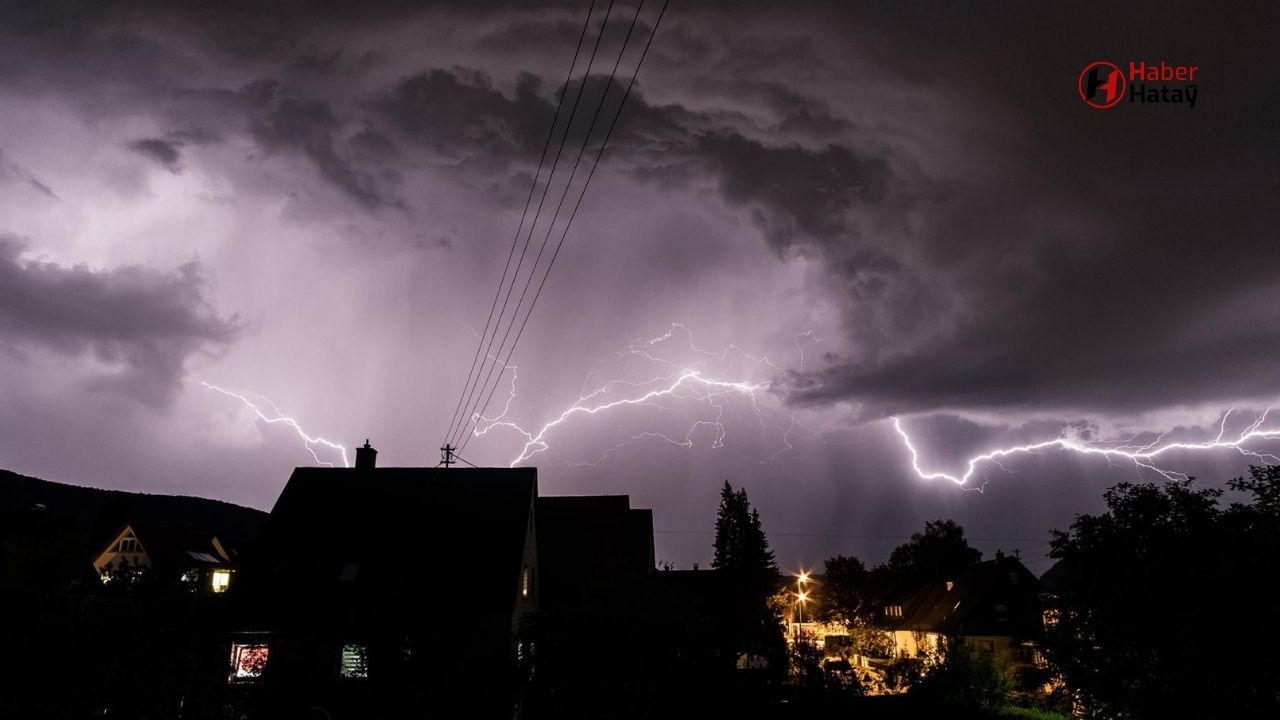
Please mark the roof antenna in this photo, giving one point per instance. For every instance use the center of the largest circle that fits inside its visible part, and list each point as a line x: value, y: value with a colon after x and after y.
x: 446, y: 455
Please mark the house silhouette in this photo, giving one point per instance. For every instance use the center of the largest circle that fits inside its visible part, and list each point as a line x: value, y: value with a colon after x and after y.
x: 378, y: 590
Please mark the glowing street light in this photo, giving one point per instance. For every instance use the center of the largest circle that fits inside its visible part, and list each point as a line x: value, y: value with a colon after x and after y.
x: 801, y: 598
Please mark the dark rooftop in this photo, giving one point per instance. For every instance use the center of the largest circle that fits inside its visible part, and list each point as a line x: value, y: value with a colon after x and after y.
x: 402, y: 539
x: 995, y: 597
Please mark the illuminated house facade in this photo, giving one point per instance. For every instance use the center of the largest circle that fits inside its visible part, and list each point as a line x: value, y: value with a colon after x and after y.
x: 194, y: 558
x: 993, y: 607
x: 375, y: 591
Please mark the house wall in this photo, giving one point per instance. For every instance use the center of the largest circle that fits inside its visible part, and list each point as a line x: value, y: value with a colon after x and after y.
x: 1003, y: 648
x: 109, y: 558
x: 529, y: 559
x: 912, y: 643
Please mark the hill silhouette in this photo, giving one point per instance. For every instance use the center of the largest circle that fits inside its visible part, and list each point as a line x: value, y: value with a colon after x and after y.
x: 69, y: 524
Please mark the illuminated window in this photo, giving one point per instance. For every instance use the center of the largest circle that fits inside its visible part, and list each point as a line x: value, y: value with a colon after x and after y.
x: 893, y: 610
x: 355, y: 663
x: 221, y: 580
x: 526, y: 582
x: 1051, y: 617
x: 950, y: 585
x: 247, y: 661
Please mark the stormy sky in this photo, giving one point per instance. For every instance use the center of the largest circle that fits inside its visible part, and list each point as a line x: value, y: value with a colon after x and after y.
x: 857, y: 211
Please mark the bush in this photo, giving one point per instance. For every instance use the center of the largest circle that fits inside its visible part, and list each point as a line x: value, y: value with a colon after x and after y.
x: 958, y: 677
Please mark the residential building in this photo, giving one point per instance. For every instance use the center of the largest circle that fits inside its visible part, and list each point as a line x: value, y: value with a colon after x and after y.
x: 373, y: 591
x: 993, y: 607
x: 170, y: 553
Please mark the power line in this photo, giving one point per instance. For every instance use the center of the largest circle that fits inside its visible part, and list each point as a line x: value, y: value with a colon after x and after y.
x: 854, y: 536
x: 475, y: 369
x: 591, y: 174
x: 455, y: 435
x: 523, y: 213
x: 586, y: 140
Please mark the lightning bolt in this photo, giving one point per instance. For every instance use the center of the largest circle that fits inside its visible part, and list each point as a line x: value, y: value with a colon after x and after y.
x: 278, y: 417
x: 796, y: 341
x: 694, y: 382
x: 1143, y: 456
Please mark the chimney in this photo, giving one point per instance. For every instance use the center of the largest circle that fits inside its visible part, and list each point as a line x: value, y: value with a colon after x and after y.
x: 366, y: 457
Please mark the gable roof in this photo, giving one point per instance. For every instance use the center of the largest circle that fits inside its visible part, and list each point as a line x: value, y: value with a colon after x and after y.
x: 995, y: 597
x: 173, y: 547
x: 401, y: 540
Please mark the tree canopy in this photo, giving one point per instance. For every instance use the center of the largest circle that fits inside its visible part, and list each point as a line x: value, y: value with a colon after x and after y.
x: 749, y: 577
x: 940, y: 550
x: 1160, y: 611
x: 740, y: 545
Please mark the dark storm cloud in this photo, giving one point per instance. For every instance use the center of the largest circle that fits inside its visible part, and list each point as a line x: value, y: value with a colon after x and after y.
x: 460, y: 115
x: 796, y: 193
x: 1086, y: 255
x: 166, y: 153
x: 309, y: 126
x: 144, y: 321
x: 11, y: 171
x: 989, y: 241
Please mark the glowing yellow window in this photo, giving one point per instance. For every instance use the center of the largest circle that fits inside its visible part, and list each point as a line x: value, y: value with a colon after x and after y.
x: 221, y: 580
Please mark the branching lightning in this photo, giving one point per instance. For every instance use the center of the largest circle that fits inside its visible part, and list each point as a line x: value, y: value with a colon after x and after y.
x: 308, y: 441
x: 1143, y: 456
x: 714, y: 377
x: 695, y: 382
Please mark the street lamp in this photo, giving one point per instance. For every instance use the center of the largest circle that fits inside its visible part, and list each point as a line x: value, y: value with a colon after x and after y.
x: 802, y: 597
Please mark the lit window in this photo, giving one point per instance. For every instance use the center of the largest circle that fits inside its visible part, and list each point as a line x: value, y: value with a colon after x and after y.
x: 221, y: 580
x: 355, y: 663
x: 893, y: 610
x: 247, y: 661
x: 950, y: 585
x: 526, y: 582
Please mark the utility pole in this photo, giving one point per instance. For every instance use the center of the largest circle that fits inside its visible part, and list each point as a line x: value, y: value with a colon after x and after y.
x: 446, y: 455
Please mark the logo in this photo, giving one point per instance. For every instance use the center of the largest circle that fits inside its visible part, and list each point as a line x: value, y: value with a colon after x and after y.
x: 1101, y: 85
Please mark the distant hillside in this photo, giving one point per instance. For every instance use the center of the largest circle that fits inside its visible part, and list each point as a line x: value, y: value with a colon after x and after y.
x: 74, y: 522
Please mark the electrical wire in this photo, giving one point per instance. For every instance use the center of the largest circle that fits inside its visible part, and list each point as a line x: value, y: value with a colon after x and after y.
x: 578, y: 203
x: 515, y: 240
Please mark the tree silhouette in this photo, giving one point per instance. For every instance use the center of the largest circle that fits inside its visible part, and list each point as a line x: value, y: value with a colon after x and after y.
x: 939, y: 551
x: 749, y: 577
x: 848, y: 594
x: 1162, y: 610
x: 741, y: 545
